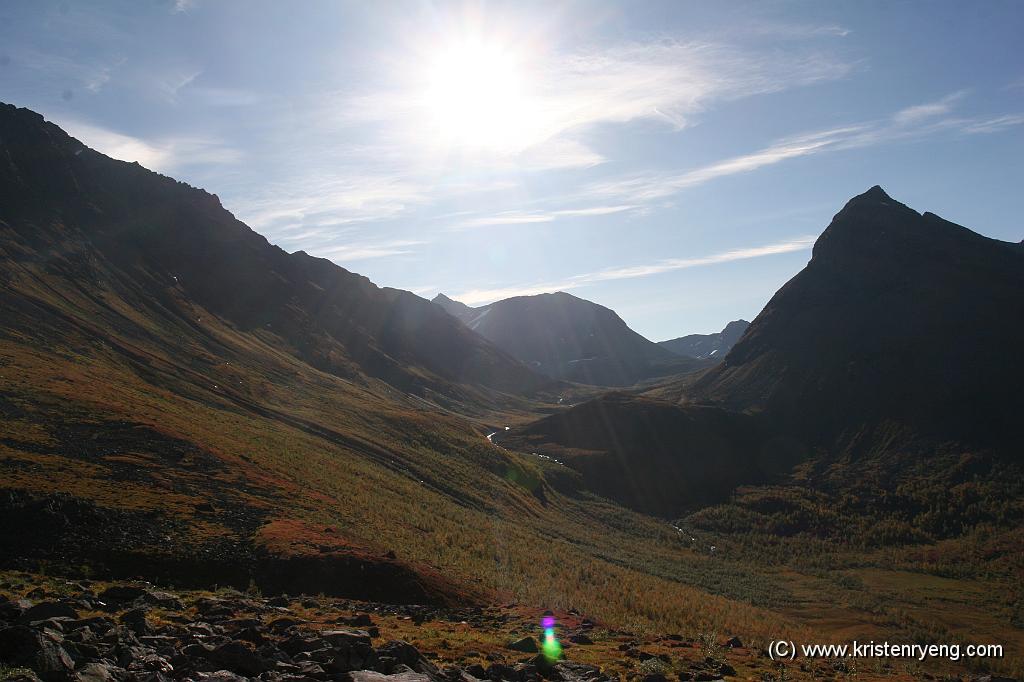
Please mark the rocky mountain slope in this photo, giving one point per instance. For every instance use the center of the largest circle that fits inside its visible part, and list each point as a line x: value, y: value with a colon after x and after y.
x: 566, y: 337
x: 707, y: 345
x: 891, y: 341
x: 897, y: 330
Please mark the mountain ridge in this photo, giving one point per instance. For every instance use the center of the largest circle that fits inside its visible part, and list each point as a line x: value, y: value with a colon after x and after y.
x: 566, y: 337
x: 707, y: 345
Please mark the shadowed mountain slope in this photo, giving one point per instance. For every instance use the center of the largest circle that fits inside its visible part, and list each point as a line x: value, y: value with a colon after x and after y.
x: 707, y: 345
x: 566, y: 337
x: 900, y: 336
x: 901, y: 326
x: 655, y: 456
x: 80, y: 214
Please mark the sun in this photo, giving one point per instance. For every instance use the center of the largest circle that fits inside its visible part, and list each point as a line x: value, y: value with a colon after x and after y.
x: 476, y: 95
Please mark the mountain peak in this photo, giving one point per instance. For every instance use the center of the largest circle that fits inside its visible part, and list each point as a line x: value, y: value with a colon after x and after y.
x: 876, y: 193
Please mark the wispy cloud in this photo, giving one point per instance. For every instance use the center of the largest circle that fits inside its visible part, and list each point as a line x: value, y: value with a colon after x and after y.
x: 346, y: 197
x: 529, y: 217
x: 661, y: 80
x: 353, y: 252
x: 165, y: 154
x: 994, y: 125
x: 921, y: 112
x: 911, y: 123
x: 483, y: 296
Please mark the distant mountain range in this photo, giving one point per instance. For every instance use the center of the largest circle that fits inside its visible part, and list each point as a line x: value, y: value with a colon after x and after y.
x: 705, y: 346
x: 892, y: 340
x: 569, y: 338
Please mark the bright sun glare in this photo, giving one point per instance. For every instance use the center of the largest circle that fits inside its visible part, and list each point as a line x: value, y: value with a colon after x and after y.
x: 476, y: 97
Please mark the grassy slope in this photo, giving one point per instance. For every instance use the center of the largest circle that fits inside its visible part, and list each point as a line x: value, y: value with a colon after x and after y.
x: 396, y: 476
x: 268, y: 438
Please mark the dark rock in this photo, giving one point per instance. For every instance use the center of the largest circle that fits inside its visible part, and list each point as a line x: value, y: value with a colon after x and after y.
x: 527, y: 645
x: 282, y: 624
x: 135, y: 620
x: 726, y: 669
x: 46, y: 610
x: 120, y: 594
x: 164, y: 600
x: 280, y: 602
x: 253, y: 635
x: 580, y: 638
x: 239, y: 658
x: 22, y: 646
x: 408, y: 655
x: 734, y: 643
x: 214, y: 608
x: 500, y: 671
x: 301, y: 642
x: 655, y: 677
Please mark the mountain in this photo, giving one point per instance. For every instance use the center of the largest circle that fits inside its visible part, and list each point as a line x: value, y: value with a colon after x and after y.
x: 902, y: 326
x: 180, y: 399
x: 707, y: 345
x: 80, y: 214
x: 897, y: 344
x: 565, y: 337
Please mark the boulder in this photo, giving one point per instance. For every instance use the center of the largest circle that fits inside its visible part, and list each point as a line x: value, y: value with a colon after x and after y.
x: 373, y: 676
x: 120, y: 594
x: 527, y: 645
x: 238, y: 658
x: 21, y: 646
x: 408, y: 655
x: 46, y: 610
x: 135, y: 620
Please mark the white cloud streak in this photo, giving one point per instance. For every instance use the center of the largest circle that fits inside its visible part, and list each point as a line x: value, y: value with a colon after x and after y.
x: 928, y: 110
x: 531, y: 217
x: 907, y: 124
x: 483, y: 296
x: 165, y: 154
x: 353, y: 252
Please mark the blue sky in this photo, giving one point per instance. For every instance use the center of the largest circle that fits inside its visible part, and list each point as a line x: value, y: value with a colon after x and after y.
x: 673, y: 161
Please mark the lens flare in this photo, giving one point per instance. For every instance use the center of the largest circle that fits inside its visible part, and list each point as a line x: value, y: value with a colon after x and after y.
x: 552, y: 649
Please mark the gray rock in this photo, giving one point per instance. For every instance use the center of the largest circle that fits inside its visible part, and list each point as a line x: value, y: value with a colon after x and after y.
x: 527, y: 645
x: 346, y: 636
x: 373, y: 676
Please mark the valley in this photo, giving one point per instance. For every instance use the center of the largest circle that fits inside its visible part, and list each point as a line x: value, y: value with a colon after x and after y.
x: 185, y: 403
